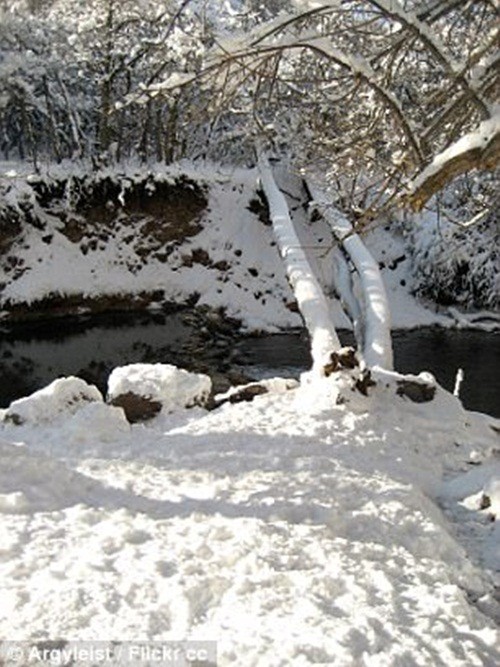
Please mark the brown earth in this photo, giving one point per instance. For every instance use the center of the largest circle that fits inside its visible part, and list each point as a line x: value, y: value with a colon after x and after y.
x: 152, y: 215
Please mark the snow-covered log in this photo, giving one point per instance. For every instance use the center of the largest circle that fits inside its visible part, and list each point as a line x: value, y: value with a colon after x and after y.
x: 343, y: 283
x: 377, y: 344
x: 311, y: 300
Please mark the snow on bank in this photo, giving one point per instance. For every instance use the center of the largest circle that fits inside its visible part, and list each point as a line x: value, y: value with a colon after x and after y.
x: 241, y: 270
x: 292, y: 530
x: 64, y: 395
x: 478, y: 489
x: 231, y: 262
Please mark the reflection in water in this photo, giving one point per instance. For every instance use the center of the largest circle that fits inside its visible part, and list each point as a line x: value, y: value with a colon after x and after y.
x: 444, y: 351
x: 32, y: 356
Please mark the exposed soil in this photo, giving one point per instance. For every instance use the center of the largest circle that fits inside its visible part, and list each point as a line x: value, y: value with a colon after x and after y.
x: 260, y: 207
x: 137, y: 408
x: 160, y: 211
x: 152, y: 215
x: 10, y: 228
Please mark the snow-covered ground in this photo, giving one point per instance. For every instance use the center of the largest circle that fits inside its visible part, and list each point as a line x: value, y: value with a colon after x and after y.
x: 250, y: 284
x: 314, y: 525
x: 236, y: 261
x: 292, y: 530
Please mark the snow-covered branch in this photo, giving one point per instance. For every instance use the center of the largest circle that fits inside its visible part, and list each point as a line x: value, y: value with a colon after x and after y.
x: 419, y: 28
x: 477, y: 150
x: 362, y: 69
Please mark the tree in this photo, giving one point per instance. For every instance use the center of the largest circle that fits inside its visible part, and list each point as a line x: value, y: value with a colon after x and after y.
x: 391, y: 101
x: 367, y: 91
x: 65, y: 69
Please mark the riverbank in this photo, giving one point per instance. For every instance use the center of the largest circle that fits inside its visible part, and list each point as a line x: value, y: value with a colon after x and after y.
x: 32, y: 354
x: 184, y: 236
x: 136, y: 239
x: 345, y: 520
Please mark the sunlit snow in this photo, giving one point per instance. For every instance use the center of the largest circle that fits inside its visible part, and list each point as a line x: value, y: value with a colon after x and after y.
x: 290, y: 530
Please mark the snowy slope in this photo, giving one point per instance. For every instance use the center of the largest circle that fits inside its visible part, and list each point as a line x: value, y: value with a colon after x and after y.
x: 236, y: 262
x: 236, y: 265
x: 292, y: 530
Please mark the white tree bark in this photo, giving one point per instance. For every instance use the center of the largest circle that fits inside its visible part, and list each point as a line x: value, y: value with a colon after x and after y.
x: 311, y: 300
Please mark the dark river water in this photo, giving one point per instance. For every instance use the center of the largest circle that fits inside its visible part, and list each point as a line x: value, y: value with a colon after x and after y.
x: 440, y: 351
x: 32, y: 355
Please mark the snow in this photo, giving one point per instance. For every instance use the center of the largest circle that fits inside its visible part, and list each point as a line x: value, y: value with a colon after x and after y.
x: 391, y: 251
x: 107, y: 421
x: 478, y: 493
x: 173, y: 387
x: 173, y: 81
x: 274, y: 385
x: 291, y: 530
x: 344, y: 286
x: 60, y: 396
x: 410, y: 19
x: 311, y: 300
x: 447, y: 263
x: 35, y: 482
x: 254, y: 288
x: 377, y: 345
x: 480, y: 138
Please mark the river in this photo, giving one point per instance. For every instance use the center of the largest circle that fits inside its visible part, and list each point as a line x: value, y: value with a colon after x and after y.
x: 33, y: 355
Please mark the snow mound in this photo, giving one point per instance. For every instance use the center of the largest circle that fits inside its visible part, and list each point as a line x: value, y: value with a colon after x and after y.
x: 247, y: 392
x: 477, y: 492
x: 65, y: 395
x: 98, y: 422
x: 175, y: 388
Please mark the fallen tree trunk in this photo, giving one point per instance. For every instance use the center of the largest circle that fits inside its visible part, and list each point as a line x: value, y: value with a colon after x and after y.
x: 376, y: 324
x: 312, y: 303
x: 343, y: 284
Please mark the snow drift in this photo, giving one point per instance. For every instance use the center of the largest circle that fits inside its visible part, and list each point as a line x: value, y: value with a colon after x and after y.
x: 292, y: 530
